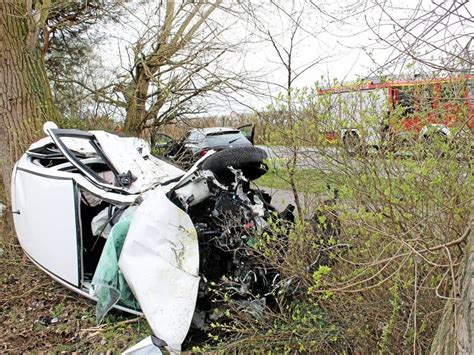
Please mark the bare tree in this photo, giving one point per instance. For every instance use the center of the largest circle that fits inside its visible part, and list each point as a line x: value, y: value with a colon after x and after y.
x: 286, y: 45
x: 180, y: 56
x: 168, y: 52
x: 437, y: 35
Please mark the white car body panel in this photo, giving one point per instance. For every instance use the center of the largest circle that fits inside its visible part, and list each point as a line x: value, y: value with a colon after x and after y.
x: 129, y: 153
x: 47, y: 217
x: 160, y: 261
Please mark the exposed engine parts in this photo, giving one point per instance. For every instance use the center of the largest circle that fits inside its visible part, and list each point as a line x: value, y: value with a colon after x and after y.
x: 227, y: 217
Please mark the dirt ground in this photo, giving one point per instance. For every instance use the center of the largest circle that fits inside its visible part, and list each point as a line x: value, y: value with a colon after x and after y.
x: 38, y: 314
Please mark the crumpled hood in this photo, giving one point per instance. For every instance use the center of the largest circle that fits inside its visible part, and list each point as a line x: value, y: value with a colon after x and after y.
x: 160, y: 262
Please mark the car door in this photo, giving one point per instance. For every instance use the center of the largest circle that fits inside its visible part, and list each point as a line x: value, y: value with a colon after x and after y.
x: 47, y: 218
x: 47, y: 222
x: 58, y: 136
x: 248, y: 131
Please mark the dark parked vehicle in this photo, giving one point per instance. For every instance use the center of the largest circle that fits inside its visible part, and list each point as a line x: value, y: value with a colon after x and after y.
x: 197, y: 142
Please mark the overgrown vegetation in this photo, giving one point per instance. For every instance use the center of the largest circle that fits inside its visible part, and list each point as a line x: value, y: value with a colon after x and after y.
x: 401, y: 209
x: 371, y: 269
x: 383, y: 282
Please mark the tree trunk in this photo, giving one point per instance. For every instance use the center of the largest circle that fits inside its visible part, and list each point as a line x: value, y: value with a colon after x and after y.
x: 455, y: 334
x: 136, y: 106
x: 25, y: 96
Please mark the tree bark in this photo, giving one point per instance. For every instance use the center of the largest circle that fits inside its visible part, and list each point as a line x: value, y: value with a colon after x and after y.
x: 25, y: 95
x: 455, y: 334
x: 136, y: 110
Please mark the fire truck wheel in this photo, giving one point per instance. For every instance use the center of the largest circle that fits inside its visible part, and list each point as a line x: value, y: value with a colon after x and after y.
x: 352, y: 143
x: 434, y: 144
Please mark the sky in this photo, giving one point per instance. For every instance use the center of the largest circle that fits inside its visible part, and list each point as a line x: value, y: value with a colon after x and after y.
x: 336, y: 41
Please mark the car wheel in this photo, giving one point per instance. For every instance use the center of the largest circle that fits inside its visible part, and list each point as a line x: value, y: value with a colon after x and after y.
x: 434, y: 144
x: 248, y: 159
x: 352, y: 143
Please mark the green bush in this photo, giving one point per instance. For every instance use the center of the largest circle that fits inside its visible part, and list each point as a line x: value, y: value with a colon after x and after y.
x: 403, y: 209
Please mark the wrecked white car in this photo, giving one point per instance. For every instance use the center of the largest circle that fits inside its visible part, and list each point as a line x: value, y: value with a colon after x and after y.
x: 105, y: 218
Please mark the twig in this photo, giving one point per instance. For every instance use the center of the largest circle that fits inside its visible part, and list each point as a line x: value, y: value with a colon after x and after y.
x: 101, y: 328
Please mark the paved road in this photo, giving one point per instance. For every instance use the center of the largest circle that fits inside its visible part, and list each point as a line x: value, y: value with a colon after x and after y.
x: 329, y: 160
x: 307, y: 157
x: 280, y: 198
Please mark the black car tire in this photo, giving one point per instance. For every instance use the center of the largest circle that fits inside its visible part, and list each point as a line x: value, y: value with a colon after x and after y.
x: 352, y: 143
x: 433, y: 142
x: 248, y: 159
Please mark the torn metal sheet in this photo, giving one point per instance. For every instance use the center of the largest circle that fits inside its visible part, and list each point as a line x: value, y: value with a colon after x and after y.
x: 133, y: 154
x: 160, y: 261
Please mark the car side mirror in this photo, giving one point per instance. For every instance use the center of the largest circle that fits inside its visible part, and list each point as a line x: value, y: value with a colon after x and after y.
x: 191, y: 145
x: 162, y: 145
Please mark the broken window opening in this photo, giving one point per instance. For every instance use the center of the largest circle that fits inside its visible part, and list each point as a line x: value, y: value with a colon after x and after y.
x: 92, y: 246
x: 86, y: 147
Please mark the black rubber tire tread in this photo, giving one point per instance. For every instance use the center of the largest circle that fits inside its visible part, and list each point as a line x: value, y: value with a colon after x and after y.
x: 353, y: 144
x: 430, y: 141
x: 248, y: 159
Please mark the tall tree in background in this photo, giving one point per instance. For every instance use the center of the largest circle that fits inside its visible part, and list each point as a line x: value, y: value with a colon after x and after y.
x: 179, y: 55
x: 286, y: 46
x: 437, y: 35
x: 170, y: 52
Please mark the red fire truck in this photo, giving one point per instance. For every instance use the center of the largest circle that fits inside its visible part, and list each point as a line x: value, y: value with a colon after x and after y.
x: 375, y: 113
